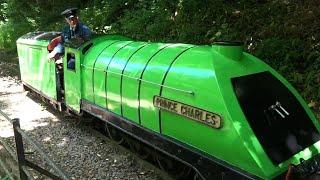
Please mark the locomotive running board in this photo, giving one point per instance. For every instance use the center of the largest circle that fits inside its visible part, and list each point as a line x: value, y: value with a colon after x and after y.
x: 202, y: 163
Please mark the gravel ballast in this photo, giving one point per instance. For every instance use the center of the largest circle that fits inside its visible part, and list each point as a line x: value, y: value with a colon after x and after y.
x: 69, y: 141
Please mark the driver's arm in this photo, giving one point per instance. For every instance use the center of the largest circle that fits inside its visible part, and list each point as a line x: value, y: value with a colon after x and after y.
x: 54, y: 42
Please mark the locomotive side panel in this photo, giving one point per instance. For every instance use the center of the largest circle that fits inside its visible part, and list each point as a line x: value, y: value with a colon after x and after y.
x: 112, y: 78
x: 43, y: 71
x: 201, y: 119
x: 48, y: 78
x: 131, y: 79
x: 114, y: 75
x: 34, y: 57
x: 227, y: 68
x: 72, y: 79
x: 249, y: 66
x: 36, y: 70
x: 150, y: 86
x: 88, y: 71
x: 100, y: 72
x: 23, y: 63
x: 89, y: 60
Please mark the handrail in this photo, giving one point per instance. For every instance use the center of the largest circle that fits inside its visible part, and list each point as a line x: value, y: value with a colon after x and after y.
x: 139, y: 79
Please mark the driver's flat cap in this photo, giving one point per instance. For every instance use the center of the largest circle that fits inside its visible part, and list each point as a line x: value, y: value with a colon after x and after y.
x: 70, y: 11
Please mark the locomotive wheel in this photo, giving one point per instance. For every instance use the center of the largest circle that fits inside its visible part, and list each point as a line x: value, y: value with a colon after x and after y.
x: 174, y: 168
x: 114, y: 134
x: 142, y: 151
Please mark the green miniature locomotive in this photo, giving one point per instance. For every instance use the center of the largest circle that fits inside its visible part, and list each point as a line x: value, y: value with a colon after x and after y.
x: 213, y: 107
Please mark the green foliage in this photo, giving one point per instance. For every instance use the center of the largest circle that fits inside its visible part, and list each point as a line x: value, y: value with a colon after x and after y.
x: 284, y: 33
x: 20, y: 17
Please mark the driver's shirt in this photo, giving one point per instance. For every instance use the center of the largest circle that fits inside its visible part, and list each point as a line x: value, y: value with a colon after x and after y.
x: 81, y: 31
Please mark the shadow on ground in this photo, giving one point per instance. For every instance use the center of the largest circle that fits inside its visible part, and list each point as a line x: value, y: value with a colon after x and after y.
x: 69, y: 142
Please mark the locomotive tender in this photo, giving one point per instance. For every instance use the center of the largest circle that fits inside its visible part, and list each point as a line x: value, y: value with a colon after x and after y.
x: 217, y: 109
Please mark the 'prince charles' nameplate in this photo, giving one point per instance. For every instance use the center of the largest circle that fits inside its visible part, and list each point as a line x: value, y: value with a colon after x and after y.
x: 200, y: 115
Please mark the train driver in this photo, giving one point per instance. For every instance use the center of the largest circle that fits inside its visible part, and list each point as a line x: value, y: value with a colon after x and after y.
x: 75, y: 29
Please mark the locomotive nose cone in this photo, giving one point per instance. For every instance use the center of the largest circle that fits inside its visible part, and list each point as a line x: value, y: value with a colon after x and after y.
x: 230, y: 49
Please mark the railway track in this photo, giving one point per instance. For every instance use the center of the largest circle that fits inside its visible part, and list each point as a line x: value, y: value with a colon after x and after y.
x: 124, y: 149
x: 145, y: 156
x: 165, y: 167
x: 71, y: 142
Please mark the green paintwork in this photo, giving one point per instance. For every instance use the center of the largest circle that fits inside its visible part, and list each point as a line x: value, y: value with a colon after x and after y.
x: 87, y: 63
x: 99, y: 74
x: 155, y: 72
x: 199, y: 76
x: 231, y: 52
x: 100, y: 79
x: 36, y: 69
x: 197, y: 66
x: 212, y: 84
x: 115, y: 69
x: 131, y: 76
x: 248, y: 65
x: 72, y: 80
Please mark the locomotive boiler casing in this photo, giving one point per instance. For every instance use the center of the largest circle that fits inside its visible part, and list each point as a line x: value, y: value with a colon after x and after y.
x: 127, y: 76
x: 224, y: 103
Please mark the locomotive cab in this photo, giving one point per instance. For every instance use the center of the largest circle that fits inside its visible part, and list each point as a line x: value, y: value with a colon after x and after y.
x: 43, y: 76
x: 74, y: 50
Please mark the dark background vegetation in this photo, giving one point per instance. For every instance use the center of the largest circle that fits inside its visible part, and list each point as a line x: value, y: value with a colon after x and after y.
x: 283, y: 33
